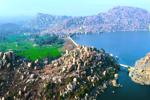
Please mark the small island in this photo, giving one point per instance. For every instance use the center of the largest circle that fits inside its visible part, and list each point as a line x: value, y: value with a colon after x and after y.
x: 141, y: 73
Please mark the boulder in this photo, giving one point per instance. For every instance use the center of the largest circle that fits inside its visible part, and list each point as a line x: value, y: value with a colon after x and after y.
x: 104, y: 73
x: 4, y: 57
x: 22, y: 77
x: 64, y: 69
x: 19, y: 93
x: 75, y: 80
x: 29, y: 64
x: 114, y: 83
x: 36, y: 61
x: 70, y: 87
x: 3, y: 98
x: 116, y: 76
x: 8, y: 65
x: 25, y: 88
x: 32, y: 76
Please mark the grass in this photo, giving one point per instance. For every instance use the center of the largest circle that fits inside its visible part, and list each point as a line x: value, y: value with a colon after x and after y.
x: 22, y: 46
x: 16, y: 46
x: 40, y: 52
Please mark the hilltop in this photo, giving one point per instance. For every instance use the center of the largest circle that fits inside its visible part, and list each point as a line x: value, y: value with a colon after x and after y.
x: 83, y: 72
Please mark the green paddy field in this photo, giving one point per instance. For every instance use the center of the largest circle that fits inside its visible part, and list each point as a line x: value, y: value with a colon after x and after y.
x: 25, y: 46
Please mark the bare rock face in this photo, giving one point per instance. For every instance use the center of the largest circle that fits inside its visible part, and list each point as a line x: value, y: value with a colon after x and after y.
x: 141, y: 73
x: 7, y: 60
x: 83, y: 72
x: 29, y: 64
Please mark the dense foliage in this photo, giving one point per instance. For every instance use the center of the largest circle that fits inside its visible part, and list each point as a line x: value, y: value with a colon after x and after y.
x: 47, y: 39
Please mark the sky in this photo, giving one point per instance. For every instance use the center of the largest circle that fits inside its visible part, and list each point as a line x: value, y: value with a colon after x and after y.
x: 10, y: 8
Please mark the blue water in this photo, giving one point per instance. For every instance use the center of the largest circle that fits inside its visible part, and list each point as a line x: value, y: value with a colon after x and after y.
x: 129, y: 47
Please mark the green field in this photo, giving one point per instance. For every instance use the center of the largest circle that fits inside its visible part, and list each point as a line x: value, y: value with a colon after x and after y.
x: 40, y: 52
x: 23, y: 46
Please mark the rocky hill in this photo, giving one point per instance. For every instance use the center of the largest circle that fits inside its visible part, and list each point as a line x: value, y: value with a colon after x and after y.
x: 141, y: 72
x: 83, y: 72
x: 117, y: 19
x: 120, y: 18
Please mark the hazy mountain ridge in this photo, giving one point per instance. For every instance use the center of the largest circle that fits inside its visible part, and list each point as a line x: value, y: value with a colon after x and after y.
x: 121, y: 18
x: 116, y: 19
x: 9, y: 28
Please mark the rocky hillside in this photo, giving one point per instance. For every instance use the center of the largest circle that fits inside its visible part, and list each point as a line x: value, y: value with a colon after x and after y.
x: 81, y: 73
x: 141, y: 72
x: 116, y: 19
x: 120, y: 18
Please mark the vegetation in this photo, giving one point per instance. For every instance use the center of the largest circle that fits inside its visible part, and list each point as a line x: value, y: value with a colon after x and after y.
x: 32, y: 47
x: 40, y: 52
x: 47, y: 39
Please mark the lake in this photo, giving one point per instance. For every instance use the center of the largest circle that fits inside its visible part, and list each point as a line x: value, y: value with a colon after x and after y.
x: 129, y: 47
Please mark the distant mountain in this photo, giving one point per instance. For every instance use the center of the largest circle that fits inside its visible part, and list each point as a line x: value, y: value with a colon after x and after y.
x: 120, y: 18
x: 44, y: 21
x: 13, y: 25
x: 9, y: 28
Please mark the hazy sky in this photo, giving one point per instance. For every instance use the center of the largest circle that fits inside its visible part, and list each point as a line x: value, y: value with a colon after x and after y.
x: 64, y: 7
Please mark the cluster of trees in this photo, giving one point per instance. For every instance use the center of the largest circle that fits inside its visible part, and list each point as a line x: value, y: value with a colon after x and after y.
x: 47, y: 39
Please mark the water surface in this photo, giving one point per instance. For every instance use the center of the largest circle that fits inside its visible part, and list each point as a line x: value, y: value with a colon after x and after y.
x: 129, y: 47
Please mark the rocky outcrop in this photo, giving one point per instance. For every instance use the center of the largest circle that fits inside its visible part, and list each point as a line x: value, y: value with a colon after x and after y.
x: 7, y: 60
x: 83, y: 72
x: 141, y: 73
x: 16, y: 75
